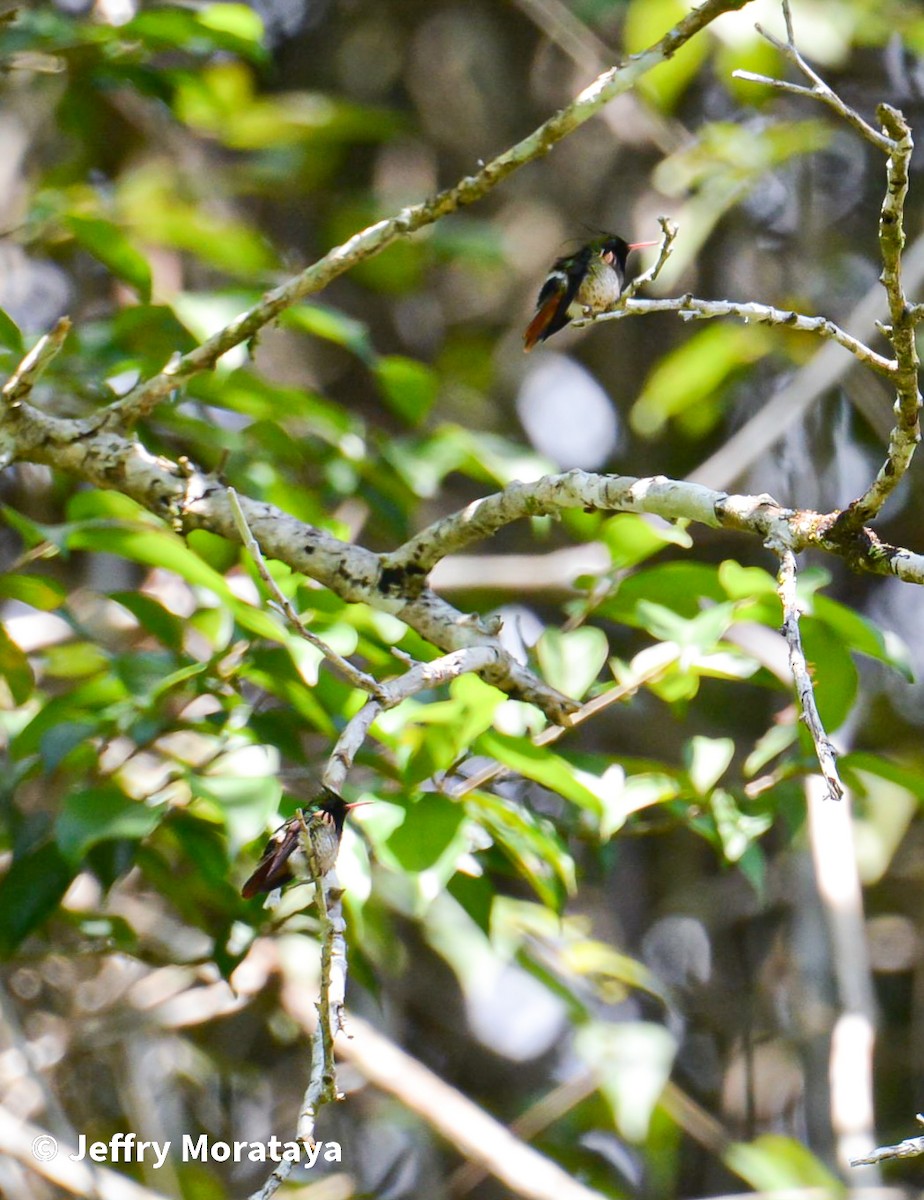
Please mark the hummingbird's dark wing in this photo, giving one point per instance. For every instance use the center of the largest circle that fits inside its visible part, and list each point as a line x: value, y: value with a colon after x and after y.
x: 555, y: 298
x: 273, y: 869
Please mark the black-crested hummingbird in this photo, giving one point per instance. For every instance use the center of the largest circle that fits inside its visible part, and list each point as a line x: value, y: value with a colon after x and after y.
x: 581, y: 285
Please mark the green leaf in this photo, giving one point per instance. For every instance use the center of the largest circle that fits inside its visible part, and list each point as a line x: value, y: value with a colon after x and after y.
x: 30, y: 892
x: 530, y: 842
x: 680, y: 586
x: 107, y: 243
x: 431, y: 830
x: 155, y: 547
x: 102, y: 814
x: 38, y: 591
x: 637, y: 792
x: 10, y: 334
x: 409, y: 387
x: 237, y: 19
x: 323, y: 321
x: 572, y: 660
x: 15, y: 669
x: 686, y: 384
x: 834, y: 675
x: 736, y: 830
x: 539, y: 764
x: 857, y: 632
x: 632, y: 1062
x: 773, y: 1163
x: 633, y: 537
x: 151, y: 615
x: 709, y: 759
x: 61, y: 738
x: 647, y: 21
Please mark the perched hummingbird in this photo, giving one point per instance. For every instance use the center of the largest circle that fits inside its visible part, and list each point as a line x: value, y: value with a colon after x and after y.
x: 307, y: 839
x: 581, y: 285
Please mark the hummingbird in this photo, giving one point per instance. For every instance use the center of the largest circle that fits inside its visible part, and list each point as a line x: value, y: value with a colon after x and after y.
x: 581, y: 285
x: 303, y: 848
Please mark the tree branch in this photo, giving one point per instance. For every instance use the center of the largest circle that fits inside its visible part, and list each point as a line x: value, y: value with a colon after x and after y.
x: 895, y: 141
x: 799, y: 668
x: 359, y: 679
x: 909, y: 1148
x: 690, y: 308
x: 614, y: 82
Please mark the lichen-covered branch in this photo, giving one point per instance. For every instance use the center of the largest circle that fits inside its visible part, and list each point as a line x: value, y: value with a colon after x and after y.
x: 909, y: 1148
x: 896, y: 142
x: 817, y: 89
x: 692, y: 308
x: 370, y: 241
x: 418, y: 678
x: 802, y: 678
x: 796, y: 529
x: 901, y: 333
x: 29, y: 371
x: 353, y: 675
x: 190, y: 499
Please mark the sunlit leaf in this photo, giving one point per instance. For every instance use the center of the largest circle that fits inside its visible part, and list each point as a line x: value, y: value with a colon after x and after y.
x: 409, y: 387
x: 631, y: 1062
x: 15, y: 669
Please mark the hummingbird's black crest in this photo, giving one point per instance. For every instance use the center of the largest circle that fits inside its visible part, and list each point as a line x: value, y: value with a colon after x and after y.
x: 581, y: 284
x: 274, y: 869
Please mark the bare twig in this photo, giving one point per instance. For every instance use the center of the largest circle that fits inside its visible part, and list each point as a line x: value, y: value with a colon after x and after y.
x: 359, y: 679
x: 668, y: 236
x: 322, y: 1084
x: 690, y: 308
x: 818, y: 90
x: 27, y: 374
x: 420, y: 677
x: 907, y: 431
x: 466, y: 1126
x: 909, y: 1148
x: 824, y: 751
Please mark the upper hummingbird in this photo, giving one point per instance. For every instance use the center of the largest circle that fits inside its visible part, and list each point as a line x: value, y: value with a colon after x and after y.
x: 303, y: 847
x: 581, y: 285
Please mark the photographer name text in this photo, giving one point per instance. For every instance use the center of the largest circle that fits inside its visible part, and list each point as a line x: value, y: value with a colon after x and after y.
x: 129, y: 1148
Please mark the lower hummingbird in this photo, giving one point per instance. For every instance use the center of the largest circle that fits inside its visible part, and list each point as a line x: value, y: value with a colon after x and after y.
x: 581, y: 285
x: 303, y: 848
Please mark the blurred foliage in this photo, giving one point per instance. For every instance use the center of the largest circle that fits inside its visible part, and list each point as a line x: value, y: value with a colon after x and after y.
x: 158, y: 716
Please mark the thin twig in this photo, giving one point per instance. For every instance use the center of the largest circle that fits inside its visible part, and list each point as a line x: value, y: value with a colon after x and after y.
x: 909, y: 1148
x: 552, y: 733
x: 669, y: 233
x: 818, y: 90
x: 322, y: 1084
x: 359, y: 679
x: 27, y: 374
x: 827, y: 761
x: 692, y: 308
x: 418, y: 678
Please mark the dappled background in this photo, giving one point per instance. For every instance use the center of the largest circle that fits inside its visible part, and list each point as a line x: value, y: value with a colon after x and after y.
x: 161, y: 167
